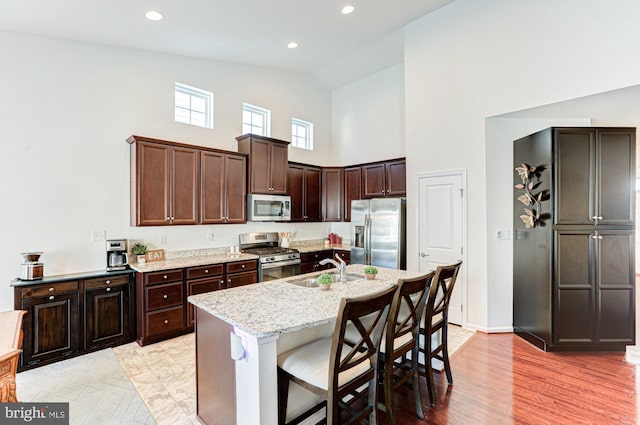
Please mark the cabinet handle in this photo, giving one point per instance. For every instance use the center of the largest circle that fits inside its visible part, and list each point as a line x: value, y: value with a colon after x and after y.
x: 108, y: 289
x: 165, y: 296
x: 51, y: 289
x: 108, y: 282
x: 52, y: 298
x: 596, y: 237
x: 166, y: 321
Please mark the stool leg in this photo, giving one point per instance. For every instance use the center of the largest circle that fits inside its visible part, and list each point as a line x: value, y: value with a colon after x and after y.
x: 416, y: 382
x: 283, y: 396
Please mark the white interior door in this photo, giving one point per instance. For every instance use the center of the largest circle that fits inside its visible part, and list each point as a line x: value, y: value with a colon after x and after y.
x: 441, y: 229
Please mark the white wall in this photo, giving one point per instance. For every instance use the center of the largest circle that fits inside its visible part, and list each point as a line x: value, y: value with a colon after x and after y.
x: 66, y: 111
x: 472, y: 60
x: 368, y: 118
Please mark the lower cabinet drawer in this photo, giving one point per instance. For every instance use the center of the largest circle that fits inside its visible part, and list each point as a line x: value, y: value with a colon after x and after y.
x: 162, y: 296
x: 241, y: 279
x: 162, y: 321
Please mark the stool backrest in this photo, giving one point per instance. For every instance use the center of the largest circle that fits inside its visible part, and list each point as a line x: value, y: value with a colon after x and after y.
x: 406, y: 311
x: 345, y: 357
x: 440, y: 292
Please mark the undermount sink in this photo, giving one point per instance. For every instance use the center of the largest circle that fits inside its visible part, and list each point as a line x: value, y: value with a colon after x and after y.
x: 310, y: 282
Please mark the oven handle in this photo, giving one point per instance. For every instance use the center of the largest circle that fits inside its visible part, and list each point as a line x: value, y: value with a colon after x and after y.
x: 280, y: 264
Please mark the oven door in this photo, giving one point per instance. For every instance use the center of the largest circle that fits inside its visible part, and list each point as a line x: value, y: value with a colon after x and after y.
x: 279, y: 270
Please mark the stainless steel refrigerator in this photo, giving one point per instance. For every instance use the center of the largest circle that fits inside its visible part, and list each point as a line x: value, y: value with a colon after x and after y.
x: 378, y: 232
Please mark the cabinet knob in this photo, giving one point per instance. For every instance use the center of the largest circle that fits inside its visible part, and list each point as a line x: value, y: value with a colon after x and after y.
x: 388, y: 190
x: 165, y: 296
x: 108, y: 289
x: 382, y: 190
x: 108, y: 282
x: 166, y: 321
x: 221, y: 281
x: 168, y: 218
x: 243, y: 266
x: 164, y: 277
x: 596, y: 237
x: 206, y: 271
x: 51, y: 289
x: 52, y: 298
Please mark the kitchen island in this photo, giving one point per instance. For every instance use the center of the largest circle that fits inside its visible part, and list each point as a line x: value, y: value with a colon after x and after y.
x: 265, y: 319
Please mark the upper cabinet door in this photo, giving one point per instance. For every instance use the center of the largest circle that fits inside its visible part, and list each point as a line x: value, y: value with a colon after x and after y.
x: 279, y: 160
x: 575, y: 173
x: 296, y: 191
x: 236, y: 189
x: 313, y: 194
x: 260, y: 166
x: 373, y: 181
x: 352, y: 189
x: 396, y: 175
x: 615, y: 156
x: 332, y: 189
x: 184, y: 187
x: 152, y: 184
x: 212, y: 187
x: 595, y: 172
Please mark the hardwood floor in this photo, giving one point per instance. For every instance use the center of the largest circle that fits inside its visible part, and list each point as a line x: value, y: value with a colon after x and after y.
x: 501, y: 379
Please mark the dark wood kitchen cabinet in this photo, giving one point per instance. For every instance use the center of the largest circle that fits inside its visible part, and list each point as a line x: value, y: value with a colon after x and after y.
x: 352, y: 188
x: 267, y: 167
x: 108, y: 304
x: 52, y: 325
x: 310, y: 261
x: 305, y: 189
x: 384, y: 179
x: 240, y: 273
x: 332, y: 191
x: 223, y: 188
x: 574, y: 270
x: 165, y: 182
x: 69, y: 315
x: 203, y: 279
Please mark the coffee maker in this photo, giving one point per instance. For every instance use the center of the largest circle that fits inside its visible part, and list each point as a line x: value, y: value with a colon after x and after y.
x: 117, y: 258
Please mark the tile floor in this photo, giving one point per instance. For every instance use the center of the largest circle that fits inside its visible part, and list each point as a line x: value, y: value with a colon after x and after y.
x: 130, y: 384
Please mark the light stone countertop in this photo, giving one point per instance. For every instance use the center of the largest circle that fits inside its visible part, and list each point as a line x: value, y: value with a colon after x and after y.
x: 274, y: 307
x: 320, y: 247
x: 193, y: 261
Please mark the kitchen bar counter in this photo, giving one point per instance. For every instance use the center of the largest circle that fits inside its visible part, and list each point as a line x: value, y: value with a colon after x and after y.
x: 304, y: 248
x: 194, y: 261
x: 267, y: 319
x: 69, y: 277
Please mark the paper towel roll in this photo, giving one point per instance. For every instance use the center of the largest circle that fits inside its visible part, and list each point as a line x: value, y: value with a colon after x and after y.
x: 237, y: 347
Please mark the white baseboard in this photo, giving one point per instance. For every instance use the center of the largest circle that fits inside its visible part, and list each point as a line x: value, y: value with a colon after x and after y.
x: 492, y: 330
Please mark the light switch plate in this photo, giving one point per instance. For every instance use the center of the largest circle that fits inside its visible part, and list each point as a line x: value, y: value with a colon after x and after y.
x: 162, y: 239
x: 504, y: 234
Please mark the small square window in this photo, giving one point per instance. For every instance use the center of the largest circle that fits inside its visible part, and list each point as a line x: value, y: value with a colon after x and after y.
x: 256, y: 120
x: 301, y: 134
x: 193, y: 106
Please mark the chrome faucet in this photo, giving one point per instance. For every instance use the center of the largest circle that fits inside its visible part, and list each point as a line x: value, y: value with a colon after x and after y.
x: 341, y: 266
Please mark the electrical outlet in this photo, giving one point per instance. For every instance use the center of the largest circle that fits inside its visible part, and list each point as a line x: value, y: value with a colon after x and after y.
x: 163, y: 239
x: 98, y: 235
x: 504, y: 234
x: 210, y: 236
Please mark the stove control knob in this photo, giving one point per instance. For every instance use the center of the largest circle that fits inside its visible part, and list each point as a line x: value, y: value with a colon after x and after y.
x: 272, y: 259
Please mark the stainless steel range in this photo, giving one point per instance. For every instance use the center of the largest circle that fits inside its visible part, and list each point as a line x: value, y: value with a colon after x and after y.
x: 275, y: 262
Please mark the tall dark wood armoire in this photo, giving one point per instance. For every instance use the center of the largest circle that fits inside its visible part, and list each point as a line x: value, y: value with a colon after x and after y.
x: 573, y: 253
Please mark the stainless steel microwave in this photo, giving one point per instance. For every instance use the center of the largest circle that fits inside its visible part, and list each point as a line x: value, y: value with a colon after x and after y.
x: 268, y: 207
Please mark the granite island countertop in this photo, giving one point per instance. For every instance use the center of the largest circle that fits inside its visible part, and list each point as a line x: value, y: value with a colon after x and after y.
x: 275, y: 307
x: 192, y: 261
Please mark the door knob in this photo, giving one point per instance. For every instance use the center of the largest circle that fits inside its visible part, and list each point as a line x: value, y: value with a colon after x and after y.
x: 422, y: 254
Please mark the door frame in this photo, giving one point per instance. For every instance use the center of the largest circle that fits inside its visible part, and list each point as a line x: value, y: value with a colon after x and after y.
x: 462, y: 275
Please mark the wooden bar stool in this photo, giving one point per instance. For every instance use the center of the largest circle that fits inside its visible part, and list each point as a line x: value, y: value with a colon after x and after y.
x: 436, y: 322
x: 338, y: 372
x: 400, y: 339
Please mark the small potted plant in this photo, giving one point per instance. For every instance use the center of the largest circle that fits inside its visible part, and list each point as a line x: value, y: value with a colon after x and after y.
x: 370, y: 272
x: 139, y: 249
x: 324, y: 281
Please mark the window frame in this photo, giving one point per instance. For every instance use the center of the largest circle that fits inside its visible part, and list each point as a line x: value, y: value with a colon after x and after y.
x: 257, y: 110
x: 194, y: 92
x: 308, y: 139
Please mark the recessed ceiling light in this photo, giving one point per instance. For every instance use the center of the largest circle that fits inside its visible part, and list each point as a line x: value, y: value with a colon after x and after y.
x: 154, y: 15
x: 348, y: 9
x: 292, y: 45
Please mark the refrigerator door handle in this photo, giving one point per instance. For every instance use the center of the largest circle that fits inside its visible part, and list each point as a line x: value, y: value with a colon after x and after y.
x: 367, y: 239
